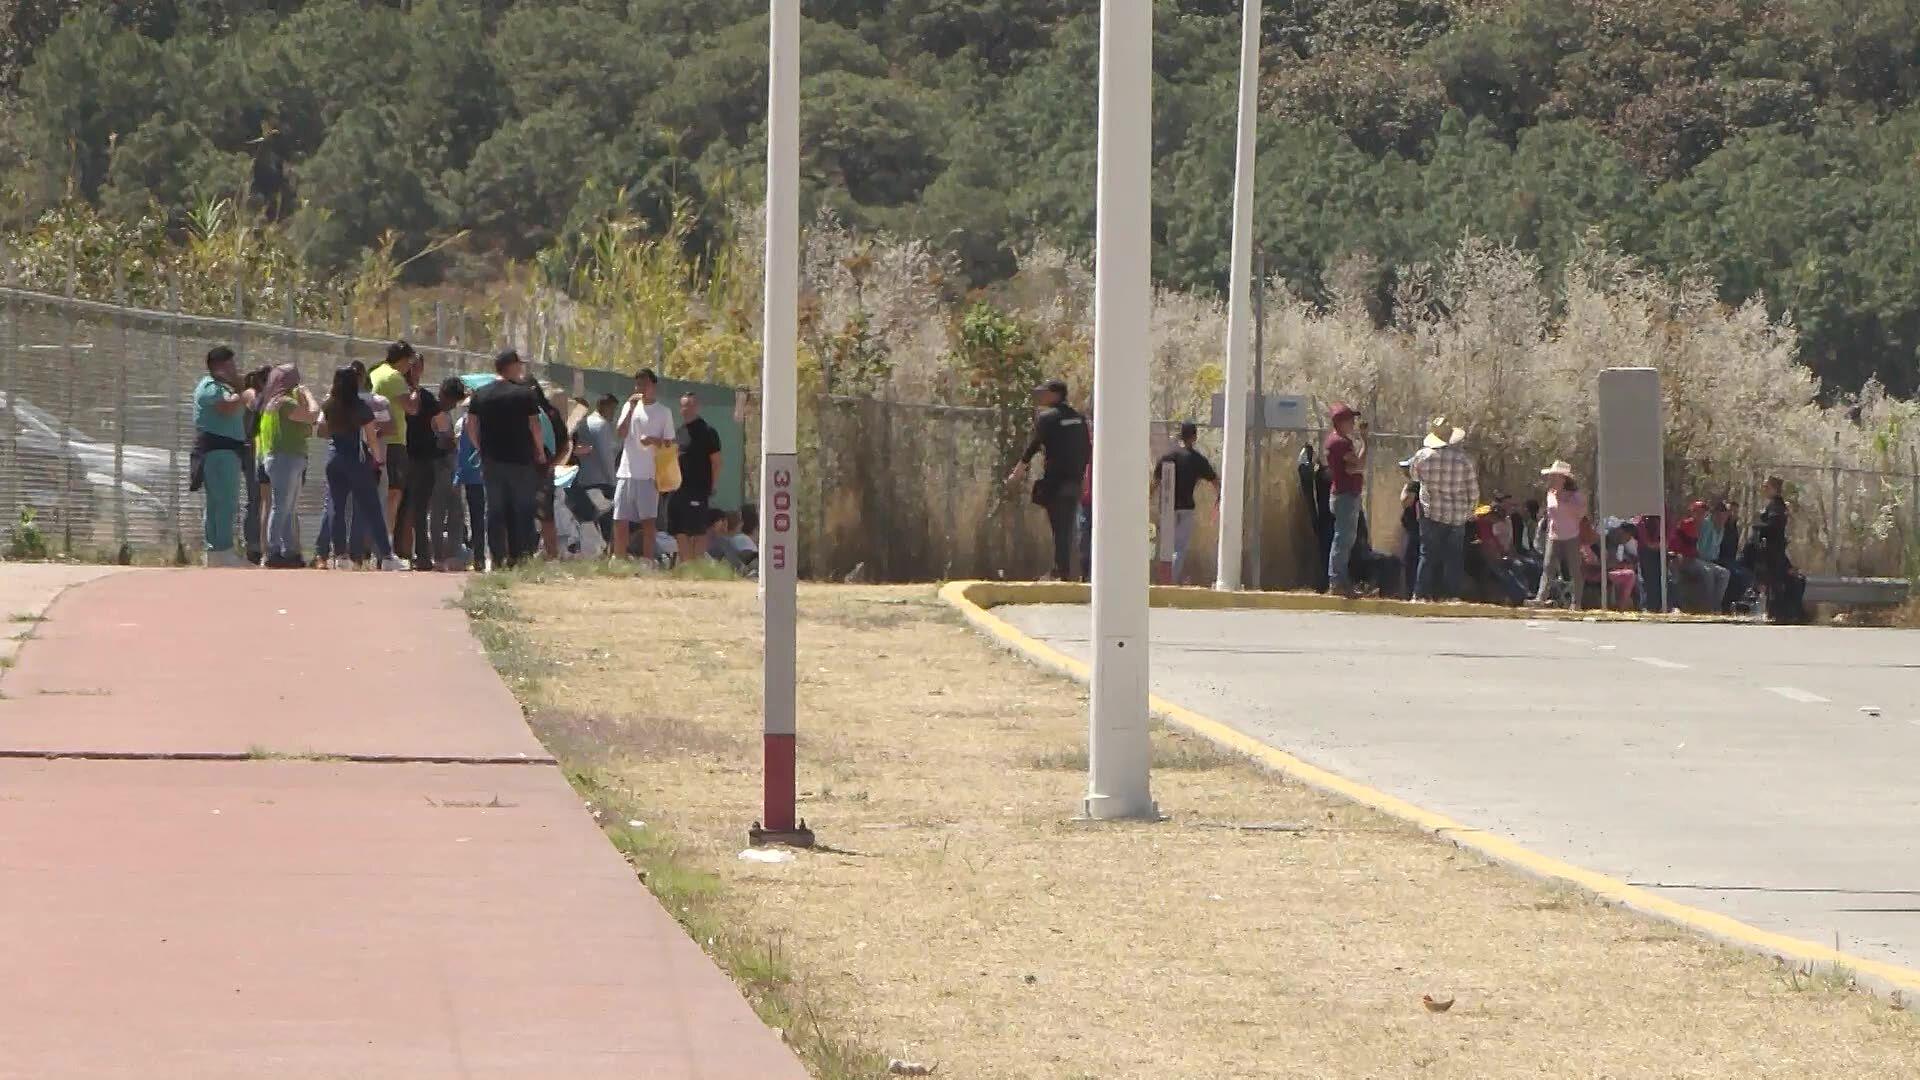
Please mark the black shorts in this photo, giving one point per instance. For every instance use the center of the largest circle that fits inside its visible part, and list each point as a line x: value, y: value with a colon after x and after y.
x: 396, y: 466
x: 688, y: 515
x: 543, y: 496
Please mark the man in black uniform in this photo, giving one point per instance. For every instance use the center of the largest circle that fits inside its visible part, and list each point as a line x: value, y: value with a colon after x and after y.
x: 1190, y: 466
x: 1062, y: 434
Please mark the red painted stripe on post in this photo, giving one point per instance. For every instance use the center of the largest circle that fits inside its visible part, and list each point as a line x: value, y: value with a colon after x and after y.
x: 777, y: 811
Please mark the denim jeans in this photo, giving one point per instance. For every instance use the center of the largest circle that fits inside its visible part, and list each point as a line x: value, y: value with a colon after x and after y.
x: 1443, y: 557
x: 1346, y: 530
x: 477, y: 523
x: 446, y: 518
x: 351, y: 482
x: 510, y: 495
x: 287, y: 473
x: 416, y: 504
x: 222, y: 489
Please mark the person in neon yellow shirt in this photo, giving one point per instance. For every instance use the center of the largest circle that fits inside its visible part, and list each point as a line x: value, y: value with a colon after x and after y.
x: 394, y: 380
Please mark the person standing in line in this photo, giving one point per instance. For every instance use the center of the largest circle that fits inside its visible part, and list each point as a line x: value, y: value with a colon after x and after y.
x: 595, y: 451
x: 558, y: 443
x: 354, y: 450
x: 253, y: 468
x: 1061, y: 433
x: 504, y: 422
x: 1190, y: 467
x: 220, y: 404
x: 1346, y: 457
x: 690, y: 507
x: 1410, y: 528
x: 643, y: 426
x: 1565, y: 511
x: 424, y: 428
x: 467, y: 475
x: 393, y: 380
x: 446, y: 517
x: 287, y: 412
x: 1449, y: 496
x: 1084, y: 527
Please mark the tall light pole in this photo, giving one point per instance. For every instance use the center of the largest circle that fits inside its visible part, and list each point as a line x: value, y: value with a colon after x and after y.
x: 1117, y: 752
x: 1233, y: 446
x: 779, y: 444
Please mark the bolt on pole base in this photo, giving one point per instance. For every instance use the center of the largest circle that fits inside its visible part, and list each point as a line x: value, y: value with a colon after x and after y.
x: 799, y: 836
x: 1094, y: 809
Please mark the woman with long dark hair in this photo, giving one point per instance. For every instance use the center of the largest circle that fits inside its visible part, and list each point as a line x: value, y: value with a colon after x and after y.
x: 354, y: 454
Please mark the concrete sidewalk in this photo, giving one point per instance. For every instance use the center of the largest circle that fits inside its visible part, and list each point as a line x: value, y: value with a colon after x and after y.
x: 317, y: 918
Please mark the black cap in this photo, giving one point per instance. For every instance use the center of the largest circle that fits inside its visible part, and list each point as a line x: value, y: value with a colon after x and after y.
x: 1057, y: 386
x: 505, y: 360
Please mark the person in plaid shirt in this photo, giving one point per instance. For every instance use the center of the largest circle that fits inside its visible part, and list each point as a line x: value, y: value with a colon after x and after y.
x: 1449, y: 491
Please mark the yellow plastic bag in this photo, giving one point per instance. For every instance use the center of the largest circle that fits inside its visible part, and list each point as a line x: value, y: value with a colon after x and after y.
x: 666, y: 468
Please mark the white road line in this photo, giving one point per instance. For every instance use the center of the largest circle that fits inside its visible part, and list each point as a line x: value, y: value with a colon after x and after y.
x: 1654, y: 661
x: 1575, y: 640
x: 1794, y: 693
x: 1606, y: 648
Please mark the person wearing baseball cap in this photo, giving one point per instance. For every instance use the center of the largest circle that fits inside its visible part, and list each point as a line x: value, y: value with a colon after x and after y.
x: 1061, y: 433
x: 1346, y: 458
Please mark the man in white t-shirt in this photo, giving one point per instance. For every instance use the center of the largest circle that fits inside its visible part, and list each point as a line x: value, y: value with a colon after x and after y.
x: 644, y: 425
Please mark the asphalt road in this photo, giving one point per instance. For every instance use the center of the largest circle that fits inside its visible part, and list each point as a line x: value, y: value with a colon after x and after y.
x: 1732, y: 768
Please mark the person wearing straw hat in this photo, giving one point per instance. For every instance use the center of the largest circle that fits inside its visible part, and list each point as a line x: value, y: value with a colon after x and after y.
x: 1566, y: 509
x: 1449, y: 493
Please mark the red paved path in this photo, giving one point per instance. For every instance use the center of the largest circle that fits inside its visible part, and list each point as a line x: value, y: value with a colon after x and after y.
x: 120, y: 666
x: 291, y: 919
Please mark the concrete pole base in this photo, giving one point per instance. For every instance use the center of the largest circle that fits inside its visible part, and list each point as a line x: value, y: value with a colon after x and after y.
x: 799, y: 836
x: 1108, y: 808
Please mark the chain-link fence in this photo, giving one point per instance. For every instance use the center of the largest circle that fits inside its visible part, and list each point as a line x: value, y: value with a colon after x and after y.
x: 96, y: 420
x: 96, y: 427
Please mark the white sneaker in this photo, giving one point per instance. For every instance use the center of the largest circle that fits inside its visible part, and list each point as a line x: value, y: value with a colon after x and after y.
x: 390, y: 563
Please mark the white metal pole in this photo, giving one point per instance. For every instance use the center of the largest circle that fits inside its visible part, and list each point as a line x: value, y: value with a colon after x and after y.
x: 779, y: 458
x: 1117, y: 783
x: 1233, y: 446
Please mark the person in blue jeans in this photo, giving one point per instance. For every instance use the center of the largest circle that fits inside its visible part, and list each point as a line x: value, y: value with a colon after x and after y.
x: 1346, y: 459
x: 354, y: 454
x: 469, y: 478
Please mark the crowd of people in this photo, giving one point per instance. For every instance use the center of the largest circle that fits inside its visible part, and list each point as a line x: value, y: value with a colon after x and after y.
x: 1544, y: 551
x: 486, y: 471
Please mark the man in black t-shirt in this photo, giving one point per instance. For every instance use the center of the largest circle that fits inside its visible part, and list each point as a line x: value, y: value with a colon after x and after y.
x: 423, y: 471
x: 690, y: 509
x: 1190, y: 467
x: 504, y: 424
x: 1062, y: 433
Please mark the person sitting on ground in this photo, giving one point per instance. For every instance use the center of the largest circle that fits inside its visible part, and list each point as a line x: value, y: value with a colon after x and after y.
x: 1565, y: 513
x: 1707, y: 580
x: 1623, y: 560
x: 1487, y: 559
x: 1725, y: 553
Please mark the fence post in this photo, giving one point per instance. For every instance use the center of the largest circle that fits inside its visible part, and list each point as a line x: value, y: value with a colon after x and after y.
x: 1833, y: 507
x: 9, y: 276
x: 179, y: 397
x: 67, y: 328
x: 123, y: 554
x: 439, y: 324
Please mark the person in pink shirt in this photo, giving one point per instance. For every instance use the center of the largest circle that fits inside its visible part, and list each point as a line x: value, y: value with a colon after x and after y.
x: 1566, y: 509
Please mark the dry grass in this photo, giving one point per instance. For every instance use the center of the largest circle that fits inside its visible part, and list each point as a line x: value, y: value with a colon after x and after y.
x: 962, y: 917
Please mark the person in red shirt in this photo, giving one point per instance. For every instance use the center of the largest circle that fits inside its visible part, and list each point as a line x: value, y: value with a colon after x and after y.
x: 1683, y: 548
x: 1346, y: 457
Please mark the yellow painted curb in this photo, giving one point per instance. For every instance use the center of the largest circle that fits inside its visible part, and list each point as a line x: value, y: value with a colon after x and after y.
x: 974, y: 599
